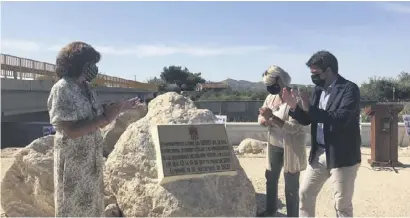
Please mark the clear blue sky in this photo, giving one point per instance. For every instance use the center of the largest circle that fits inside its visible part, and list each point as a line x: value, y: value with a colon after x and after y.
x: 222, y: 40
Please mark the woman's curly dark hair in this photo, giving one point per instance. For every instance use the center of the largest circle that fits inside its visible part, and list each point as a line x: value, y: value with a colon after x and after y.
x: 72, y: 58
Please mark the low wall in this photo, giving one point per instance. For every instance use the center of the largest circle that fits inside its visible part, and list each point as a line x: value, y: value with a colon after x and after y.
x: 240, y: 131
x: 241, y: 111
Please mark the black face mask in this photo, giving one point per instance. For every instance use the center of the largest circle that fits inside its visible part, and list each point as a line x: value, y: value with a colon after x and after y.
x: 273, y: 89
x: 90, y: 71
x: 317, y: 80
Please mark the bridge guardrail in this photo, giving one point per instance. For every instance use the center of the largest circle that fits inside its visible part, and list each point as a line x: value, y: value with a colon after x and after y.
x: 27, y: 69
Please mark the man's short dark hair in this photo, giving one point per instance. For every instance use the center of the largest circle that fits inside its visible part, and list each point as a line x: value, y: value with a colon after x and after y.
x: 323, y: 60
x: 72, y: 58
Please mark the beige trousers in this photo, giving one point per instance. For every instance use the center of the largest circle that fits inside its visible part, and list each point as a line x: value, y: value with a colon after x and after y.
x: 316, y: 174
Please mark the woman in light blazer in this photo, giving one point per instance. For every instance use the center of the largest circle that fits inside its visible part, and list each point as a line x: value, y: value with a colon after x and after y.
x: 286, y: 144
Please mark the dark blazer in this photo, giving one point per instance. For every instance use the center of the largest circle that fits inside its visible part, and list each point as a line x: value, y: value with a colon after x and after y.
x: 341, y: 123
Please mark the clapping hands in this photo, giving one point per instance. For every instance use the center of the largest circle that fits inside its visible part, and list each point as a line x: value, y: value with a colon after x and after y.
x: 265, y: 112
x: 131, y: 103
x: 304, y: 97
x: 111, y: 111
x: 291, y: 100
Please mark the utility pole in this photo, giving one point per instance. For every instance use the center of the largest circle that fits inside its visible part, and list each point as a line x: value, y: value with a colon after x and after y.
x: 135, y: 77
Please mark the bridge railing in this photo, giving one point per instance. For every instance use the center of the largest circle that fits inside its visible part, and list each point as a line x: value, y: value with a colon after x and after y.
x: 26, y: 69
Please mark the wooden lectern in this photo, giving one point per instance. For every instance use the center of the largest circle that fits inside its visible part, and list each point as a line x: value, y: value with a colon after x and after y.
x: 384, y: 134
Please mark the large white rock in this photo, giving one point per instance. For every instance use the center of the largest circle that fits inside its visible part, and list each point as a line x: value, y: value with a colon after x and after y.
x: 251, y: 146
x: 131, y: 171
x: 27, y: 188
x: 112, y: 132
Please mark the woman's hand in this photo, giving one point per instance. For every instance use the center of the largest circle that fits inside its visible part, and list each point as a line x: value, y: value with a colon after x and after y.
x: 273, y: 120
x: 265, y: 112
x: 131, y: 103
x: 74, y: 129
x: 263, y: 122
x: 277, y: 121
x: 111, y: 111
x: 289, y: 98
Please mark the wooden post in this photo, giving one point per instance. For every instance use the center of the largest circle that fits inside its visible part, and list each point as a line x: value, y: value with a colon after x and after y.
x: 384, y: 134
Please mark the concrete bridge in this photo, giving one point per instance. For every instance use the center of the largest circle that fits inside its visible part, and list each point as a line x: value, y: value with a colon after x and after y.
x: 21, y: 99
x: 26, y: 84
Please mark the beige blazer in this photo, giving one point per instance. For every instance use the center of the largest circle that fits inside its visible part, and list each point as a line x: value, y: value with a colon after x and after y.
x: 295, y: 159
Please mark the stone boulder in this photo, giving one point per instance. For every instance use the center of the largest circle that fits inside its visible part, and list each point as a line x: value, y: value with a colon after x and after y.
x: 27, y: 189
x: 131, y: 171
x: 251, y: 146
x: 112, y: 210
x: 112, y: 132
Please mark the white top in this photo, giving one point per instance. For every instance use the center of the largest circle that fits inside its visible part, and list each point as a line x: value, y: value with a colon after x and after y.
x: 291, y: 137
x: 277, y: 134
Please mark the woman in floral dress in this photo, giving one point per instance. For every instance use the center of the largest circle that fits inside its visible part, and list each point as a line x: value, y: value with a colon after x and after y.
x: 77, y: 115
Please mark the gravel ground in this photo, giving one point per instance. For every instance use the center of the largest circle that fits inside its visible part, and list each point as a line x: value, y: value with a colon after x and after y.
x: 372, y: 187
x: 6, y: 161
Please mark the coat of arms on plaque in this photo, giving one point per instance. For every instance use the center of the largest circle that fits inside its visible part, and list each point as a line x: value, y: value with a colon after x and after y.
x: 193, y: 131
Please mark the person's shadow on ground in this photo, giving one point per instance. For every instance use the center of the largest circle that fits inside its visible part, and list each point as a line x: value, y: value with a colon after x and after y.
x: 261, y: 202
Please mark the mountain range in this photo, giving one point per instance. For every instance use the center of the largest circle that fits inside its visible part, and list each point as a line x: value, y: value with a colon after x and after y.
x: 242, y: 85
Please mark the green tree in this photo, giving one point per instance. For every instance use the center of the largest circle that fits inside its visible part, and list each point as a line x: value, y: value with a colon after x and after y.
x: 403, y: 86
x: 378, y: 89
x: 156, y: 81
x: 182, y: 77
x: 383, y: 88
x: 404, y: 77
x: 230, y: 95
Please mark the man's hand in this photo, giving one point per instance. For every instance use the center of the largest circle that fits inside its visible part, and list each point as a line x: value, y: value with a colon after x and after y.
x: 304, y: 97
x: 265, y: 112
x: 289, y: 98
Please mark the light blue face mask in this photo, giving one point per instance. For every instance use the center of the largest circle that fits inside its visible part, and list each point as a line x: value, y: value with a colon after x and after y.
x: 90, y: 71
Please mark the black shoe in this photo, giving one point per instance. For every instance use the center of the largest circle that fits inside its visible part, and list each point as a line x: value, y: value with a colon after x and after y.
x: 264, y: 214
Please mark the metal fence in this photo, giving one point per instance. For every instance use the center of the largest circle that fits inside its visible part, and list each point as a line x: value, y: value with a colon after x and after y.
x: 13, y: 67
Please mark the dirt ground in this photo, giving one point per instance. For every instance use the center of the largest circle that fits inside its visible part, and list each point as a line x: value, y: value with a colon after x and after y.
x: 6, y: 161
x: 378, y: 193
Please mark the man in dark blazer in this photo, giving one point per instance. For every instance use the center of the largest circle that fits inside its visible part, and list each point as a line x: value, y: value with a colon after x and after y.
x: 333, y: 112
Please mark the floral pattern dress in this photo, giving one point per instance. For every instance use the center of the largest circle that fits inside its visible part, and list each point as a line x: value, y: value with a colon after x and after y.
x: 78, y: 162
